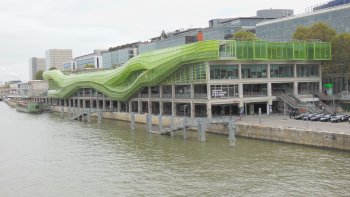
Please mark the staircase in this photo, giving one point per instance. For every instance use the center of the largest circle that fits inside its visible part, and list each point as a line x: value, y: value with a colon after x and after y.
x: 324, y: 97
x: 295, y: 102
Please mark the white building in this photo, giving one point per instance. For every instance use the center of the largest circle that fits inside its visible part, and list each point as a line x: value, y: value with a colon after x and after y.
x: 34, y: 88
x: 36, y: 64
x: 57, y: 57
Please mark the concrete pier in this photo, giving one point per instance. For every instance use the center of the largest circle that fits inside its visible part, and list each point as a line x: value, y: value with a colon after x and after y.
x: 272, y: 128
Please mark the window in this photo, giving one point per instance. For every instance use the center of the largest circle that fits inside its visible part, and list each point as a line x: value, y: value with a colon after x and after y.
x: 254, y: 71
x: 224, y: 72
x: 308, y: 70
x: 281, y: 70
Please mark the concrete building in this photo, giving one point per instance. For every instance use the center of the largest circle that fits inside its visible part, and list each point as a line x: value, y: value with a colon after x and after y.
x: 282, y: 29
x: 36, y: 64
x: 57, y: 57
x: 91, y: 61
x: 209, y: 78
x: 219, y: 29
x: 33, y: 89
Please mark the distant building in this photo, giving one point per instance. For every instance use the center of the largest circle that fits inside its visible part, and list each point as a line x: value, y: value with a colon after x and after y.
x: 282, y: 29
x: 57, y: 57
x: 331, y: 4
x: 36, y: 64
x: 219, y: 29
x: 33, y: 88
x: 117, y: 56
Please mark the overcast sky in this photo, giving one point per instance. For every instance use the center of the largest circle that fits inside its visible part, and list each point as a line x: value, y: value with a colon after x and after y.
x: 29, y: 27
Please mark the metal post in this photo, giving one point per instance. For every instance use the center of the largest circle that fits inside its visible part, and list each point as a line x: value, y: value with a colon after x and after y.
x: 260, y: 115
x: 132, y: 120
x: 160, y: 123
x: 232, y: 132
x: 201, y: 131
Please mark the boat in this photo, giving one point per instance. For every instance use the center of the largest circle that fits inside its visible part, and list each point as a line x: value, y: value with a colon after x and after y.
x: 28, y: 107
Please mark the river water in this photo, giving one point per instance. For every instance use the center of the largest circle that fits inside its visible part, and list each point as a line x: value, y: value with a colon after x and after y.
x: 47, y: 155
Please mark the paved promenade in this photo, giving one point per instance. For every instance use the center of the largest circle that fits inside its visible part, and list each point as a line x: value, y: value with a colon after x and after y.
x: 283, y: 121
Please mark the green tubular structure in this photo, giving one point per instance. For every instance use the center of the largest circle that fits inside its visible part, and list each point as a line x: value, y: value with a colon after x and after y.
x: 149, y: 69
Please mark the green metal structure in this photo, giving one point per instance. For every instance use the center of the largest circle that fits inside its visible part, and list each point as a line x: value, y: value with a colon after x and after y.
x: 150, y: 69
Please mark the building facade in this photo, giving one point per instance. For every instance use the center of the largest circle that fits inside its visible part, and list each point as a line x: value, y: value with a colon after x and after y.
x: 209, y: 78
x: 57, y: 57
x: 118, y: 56
x: 36, y: 64
x: 282, y: 29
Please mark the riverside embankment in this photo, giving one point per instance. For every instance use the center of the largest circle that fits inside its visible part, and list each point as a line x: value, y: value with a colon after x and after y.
x: 274, y: 128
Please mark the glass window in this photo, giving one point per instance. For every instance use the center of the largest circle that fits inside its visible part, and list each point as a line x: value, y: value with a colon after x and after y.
x: 224, y: 72
x: 308, y: 70
x: 224, y: 91
x: 254, y: 71
x: 281, y: 70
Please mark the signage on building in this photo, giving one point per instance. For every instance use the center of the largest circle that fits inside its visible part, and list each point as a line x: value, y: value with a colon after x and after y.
x: 218, y: 93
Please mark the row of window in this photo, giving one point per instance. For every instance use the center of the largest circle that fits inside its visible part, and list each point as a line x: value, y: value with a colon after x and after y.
x: 260, y: 71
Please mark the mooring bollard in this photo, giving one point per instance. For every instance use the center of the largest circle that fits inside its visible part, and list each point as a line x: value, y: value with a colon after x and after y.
x: 232, y: 132
x: 201, y: 130
x: 160, y: 123
x: 132, y: 120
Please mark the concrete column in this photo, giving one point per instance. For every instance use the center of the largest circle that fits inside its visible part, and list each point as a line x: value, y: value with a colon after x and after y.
x: 78, y: 100
x: 209, y: 92
x: 192, y: 91
x: 295, y: 70
x: 267, y: 108
x: 97, y: 103
x: 192, y: 110
x: 149, y: 106
x: 240, y: 71
x: 139, y: 106
x: 160, y: 91
x: 173, y: 91
x: 110, y: 105
x: 118, y: 106
x: 104, y: 104
x: 269, y: 89
x: 268, y: 71
x: 91, y: 103
x: 209, y: 115
x: 84, y: 103
x: 240, y: 90
x: 161, y: 107
x: 173, y: 110
x: 295, y: 88
x: 65, y: 102
x: 130, y: 106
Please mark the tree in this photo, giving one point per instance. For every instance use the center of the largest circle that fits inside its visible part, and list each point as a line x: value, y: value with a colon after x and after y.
x: 341, y: 54
x: 89, y: 66
x: 39, y: 75
x: 318, y: 31
x: 300, y: 33
x: 244, y: 35
x: 53, y: 68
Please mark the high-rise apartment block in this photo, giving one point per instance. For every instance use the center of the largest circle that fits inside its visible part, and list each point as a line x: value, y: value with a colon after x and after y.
x: 36, y: 64
x: 57, y: 57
